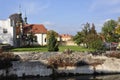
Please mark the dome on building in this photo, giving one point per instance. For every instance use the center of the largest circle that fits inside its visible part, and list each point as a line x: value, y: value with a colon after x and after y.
x: 16, y: 18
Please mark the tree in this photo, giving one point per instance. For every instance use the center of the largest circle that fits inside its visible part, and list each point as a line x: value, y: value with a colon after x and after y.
x: 94, y: 41
x: 52, y: 42
x: 117, y: 30
x: 30, y: 38
x: 108, y: 31
x: 86, y: 29
x: 53, y: 32
x: 78, y: 38
x: 92, y: 30
x: 89, y: 37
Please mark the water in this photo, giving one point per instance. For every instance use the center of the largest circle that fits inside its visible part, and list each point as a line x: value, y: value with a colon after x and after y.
x: 105, y: 77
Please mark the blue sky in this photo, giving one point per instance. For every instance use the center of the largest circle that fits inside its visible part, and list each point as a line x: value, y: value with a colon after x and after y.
x: 63, y: 16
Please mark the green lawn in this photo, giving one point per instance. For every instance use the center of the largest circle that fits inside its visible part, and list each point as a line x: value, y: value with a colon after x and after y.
x: 37, y: 49
x: 44, y: 49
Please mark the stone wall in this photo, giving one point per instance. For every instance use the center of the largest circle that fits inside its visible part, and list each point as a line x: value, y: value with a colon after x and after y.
x: 35, y: 63
x: 110, y: 66
x: 31, y: 68
x: 76, y: 70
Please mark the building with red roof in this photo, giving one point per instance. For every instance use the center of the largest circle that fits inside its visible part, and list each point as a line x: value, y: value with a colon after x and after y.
x: 38, y: 30
x: 17, y: 32
x: 66, y: 39
x: 35, y: 28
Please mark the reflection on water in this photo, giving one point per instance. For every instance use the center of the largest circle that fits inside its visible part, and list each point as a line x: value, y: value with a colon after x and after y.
x: 106, y: 77
x: 110, y: 77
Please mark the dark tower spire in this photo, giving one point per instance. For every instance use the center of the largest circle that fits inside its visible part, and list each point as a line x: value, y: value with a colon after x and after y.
x: 20, y: 15
x: 19, y: 9
x: 25, y: 19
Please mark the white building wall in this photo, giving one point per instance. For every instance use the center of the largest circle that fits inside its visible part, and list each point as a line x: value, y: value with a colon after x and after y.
x: 66, y: 39
x: 6, y: 38
x: 41, y: 39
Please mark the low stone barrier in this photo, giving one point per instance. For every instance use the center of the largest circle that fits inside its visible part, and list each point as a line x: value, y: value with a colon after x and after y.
x: 36, y: 64
x: 29, y: 68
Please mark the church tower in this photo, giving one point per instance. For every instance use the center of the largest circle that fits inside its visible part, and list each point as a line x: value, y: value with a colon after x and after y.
x: 25, y: 19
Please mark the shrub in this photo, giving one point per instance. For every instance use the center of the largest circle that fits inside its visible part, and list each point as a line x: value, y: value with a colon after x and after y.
x: 113, y: 54
x: 52, y: 42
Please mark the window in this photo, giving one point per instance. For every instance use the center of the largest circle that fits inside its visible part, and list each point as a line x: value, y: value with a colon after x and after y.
x: 5, y: 30
x: 45, y: 40
x: 35, y: 38
x: 12, y: 22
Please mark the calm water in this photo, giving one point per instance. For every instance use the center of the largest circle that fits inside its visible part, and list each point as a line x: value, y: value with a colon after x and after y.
x: 106, y: 77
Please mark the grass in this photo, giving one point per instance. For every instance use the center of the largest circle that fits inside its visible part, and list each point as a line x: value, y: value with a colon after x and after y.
x: 44, y: 49
x: 37, y: 49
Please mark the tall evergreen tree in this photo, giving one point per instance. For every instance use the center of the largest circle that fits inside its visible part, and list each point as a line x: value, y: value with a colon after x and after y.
x: 52, y: 42
x: 92, y: 30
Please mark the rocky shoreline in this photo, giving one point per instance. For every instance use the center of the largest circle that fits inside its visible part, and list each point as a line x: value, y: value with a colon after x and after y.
x: 57, y: 63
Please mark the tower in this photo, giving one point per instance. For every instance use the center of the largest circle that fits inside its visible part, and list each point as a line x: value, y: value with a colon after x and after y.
x: 15, y: 23
x: 25, y: 19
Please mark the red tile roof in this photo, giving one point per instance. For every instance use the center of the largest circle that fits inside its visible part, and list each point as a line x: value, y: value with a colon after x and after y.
x: 35, y: 28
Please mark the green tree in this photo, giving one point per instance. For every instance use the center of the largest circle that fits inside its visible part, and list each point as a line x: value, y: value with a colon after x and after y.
x: 52, y: 42
x: 89, y: 37
x: 86, y: 32
x: 92, y: 30
x: 86, y: 29
x: 94, y: 40
x: 117, y: 30
x: 53, y: 32
x: 108, y: 31
x: 81, y: 37
x: 78, y: 38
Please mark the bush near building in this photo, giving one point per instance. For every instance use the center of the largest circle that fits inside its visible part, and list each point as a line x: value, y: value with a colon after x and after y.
x: 52, y: 42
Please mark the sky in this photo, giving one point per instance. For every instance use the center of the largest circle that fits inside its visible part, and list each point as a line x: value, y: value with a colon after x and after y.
x: 63, y: 16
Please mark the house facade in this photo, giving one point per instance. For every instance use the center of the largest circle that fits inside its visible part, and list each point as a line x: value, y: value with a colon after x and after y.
x: 66, y: 39
x: 39, y: 31
x: 6, y: 32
